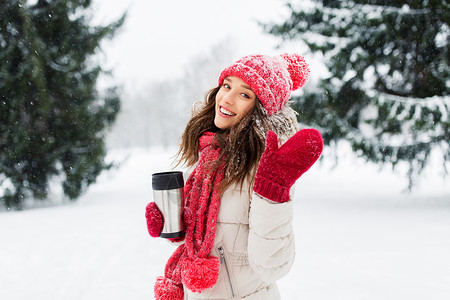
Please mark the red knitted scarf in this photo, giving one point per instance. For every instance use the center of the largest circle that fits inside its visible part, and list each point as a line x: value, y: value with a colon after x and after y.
x: 191, y: 265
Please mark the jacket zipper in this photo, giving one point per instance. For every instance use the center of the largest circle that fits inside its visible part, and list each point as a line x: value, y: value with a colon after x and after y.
x: 224, y: 262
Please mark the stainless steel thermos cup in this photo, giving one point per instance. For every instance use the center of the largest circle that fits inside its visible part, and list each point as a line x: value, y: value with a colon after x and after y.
x: 168, y: 194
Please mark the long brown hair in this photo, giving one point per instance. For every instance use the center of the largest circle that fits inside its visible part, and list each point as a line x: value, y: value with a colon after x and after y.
x: 242, y: 145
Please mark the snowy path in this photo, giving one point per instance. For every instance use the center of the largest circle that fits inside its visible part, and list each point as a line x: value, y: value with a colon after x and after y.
x: 358, y: 238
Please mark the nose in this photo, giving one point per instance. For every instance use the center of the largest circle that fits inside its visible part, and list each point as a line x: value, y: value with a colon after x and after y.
x: 229, y: 98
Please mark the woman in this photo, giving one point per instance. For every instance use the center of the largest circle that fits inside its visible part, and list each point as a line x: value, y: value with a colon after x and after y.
x: 238, y: 210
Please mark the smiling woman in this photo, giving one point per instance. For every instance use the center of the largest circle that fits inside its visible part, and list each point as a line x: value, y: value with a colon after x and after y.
x: 234, y: 101
x: 238, y: 208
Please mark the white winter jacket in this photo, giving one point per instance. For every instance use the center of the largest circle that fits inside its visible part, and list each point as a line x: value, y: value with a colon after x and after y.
x: 255, y: 245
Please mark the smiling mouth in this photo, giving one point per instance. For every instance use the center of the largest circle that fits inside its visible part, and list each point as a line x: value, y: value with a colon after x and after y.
x: 226, y: 112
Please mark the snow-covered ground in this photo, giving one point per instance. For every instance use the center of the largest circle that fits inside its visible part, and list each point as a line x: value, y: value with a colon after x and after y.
x: 358, y: 237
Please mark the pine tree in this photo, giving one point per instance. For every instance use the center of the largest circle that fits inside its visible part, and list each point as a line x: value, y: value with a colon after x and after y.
x: 388, y: 88
x: 52, y: 117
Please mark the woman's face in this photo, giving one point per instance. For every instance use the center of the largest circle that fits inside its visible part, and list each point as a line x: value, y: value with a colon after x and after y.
x: 234, y: 101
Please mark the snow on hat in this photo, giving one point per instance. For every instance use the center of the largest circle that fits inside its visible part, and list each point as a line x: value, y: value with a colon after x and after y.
x: 271, y: 78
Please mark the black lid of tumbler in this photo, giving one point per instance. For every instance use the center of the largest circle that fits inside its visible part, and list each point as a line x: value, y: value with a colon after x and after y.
x: 167, y: 180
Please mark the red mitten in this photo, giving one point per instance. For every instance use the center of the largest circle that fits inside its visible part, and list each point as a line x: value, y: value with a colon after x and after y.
x: 155, y: 220
x: 279, y: 168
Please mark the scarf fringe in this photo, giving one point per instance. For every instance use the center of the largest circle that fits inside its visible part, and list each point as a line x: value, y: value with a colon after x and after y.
x: 167, y: 289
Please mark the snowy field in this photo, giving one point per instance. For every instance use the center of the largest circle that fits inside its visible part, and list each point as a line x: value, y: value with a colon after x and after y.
x: 358, y: 237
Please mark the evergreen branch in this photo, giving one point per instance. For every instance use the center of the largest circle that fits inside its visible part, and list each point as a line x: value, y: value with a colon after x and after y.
x: 433, y: 140
x: 408, y: 99
x: 347, y: 10
x: 322, y: 38
x: 405, y: 9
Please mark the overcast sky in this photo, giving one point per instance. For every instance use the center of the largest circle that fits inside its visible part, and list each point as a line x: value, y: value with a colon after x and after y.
x: 159, y: 37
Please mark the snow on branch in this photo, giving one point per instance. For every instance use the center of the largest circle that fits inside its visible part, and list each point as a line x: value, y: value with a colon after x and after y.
x: 434, y: 100
x: 405, y: 9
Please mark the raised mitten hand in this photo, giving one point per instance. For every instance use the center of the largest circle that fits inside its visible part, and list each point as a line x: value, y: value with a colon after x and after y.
x: 155, y: 220
x: 279, y: 168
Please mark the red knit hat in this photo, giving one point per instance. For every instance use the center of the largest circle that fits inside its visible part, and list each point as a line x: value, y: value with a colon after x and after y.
x: 271, y: 78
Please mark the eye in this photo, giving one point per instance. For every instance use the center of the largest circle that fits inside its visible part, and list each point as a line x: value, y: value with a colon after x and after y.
x: 226, y: 86
x: 245, y: 95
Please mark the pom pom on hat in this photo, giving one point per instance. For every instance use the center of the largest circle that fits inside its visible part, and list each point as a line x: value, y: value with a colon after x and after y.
x: 298, y: 68
x: 271, y: 78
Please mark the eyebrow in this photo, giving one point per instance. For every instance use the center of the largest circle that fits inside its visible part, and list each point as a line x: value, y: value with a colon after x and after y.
x: 246, y: 87
x: 242, y: 85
